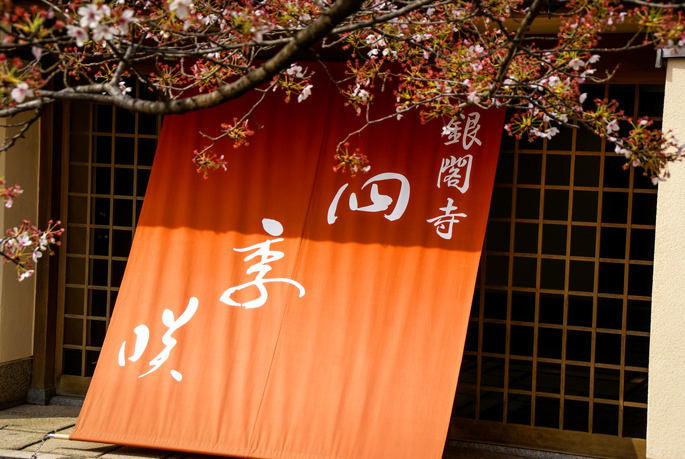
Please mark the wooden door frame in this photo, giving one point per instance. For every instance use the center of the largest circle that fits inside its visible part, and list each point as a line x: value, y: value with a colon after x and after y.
x: 47, y: 271
x: 64, y: 384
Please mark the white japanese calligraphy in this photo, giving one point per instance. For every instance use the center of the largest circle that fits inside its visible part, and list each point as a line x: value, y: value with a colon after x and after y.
x: 173, y: 325
x: 471, y: 129
x: 143, y: 335
x: 262, y: 250
x: 448, y: 218
x: 380, y: 202
x: 454, y: 133
x: 458, y: 172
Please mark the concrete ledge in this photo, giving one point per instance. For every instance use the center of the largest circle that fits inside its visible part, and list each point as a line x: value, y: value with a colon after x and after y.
x: 66, y: 400
x: 462, y: 449
x: 40, y: 396
x: 15, y: 379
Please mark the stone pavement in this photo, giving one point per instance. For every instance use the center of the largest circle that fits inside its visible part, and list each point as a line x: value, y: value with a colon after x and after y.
x: 23, y: 427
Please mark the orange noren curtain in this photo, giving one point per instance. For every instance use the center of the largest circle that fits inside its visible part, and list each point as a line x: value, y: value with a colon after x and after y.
x: 281, y: 310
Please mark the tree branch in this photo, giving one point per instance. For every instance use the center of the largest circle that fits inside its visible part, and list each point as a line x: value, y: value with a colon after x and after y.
x: 382, y: 19
x: 10, y: 141
x: 533, y: 11
x: 314, y: 32
x: 666, y: 6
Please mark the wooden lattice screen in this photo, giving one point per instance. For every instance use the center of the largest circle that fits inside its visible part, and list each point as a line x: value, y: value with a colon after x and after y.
x: 109, y: 157
x: 559, y: 331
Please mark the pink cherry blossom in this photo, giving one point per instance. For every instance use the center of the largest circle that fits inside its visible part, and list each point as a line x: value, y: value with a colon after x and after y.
x: 125, y: 20
x: 78, y: 33
x: 21, y: 92
x: 180, y: 7
x: 613, y: 126
x: 306, y: 92
x: 91, y: 15
x: 576, y: 64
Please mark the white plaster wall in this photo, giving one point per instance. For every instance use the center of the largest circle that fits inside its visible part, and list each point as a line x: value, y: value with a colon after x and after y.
x: 18, y: 165
x: 666, y: 409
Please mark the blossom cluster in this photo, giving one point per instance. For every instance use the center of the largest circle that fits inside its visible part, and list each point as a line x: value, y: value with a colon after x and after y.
x: 8, y: 193
x: 25, y: 244
x: 440, y: 56
x: 447, y: 64
x: 354, y: 162
x: 651, y: 149
x: 99, y: 22
x: 294, y: 80
x: 206, y: 161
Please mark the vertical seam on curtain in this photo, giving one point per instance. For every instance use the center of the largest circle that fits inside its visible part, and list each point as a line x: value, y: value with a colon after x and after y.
x: 324, y: 138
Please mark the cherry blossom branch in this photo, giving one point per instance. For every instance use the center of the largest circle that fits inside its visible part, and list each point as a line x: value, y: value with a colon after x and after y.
x: 667, y: 6
x: 25, y: 244
x: 302, y: 41
x: 10, y: 141
x: 443, y: 56
x: 383, y: 19
x: 368, y: 122
x: 515, y: 43
x: 207, y: 161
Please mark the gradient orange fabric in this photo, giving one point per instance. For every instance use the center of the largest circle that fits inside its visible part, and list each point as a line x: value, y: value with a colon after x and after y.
x: 310, y: 314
